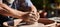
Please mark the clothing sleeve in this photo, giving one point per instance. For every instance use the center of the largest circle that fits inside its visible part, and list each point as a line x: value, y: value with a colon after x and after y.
x: 28, y: 2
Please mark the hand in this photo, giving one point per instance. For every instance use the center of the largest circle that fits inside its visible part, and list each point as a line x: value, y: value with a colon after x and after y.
x: 30, y: 17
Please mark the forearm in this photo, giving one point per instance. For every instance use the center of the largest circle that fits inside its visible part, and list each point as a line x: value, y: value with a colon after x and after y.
x: 16, y: 12
x: 7, y: 11
x: 10, y: 9
x: 15, y: 15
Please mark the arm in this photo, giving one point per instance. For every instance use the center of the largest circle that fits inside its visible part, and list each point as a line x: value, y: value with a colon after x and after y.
x: 16, y: 13
x: 7, y: 11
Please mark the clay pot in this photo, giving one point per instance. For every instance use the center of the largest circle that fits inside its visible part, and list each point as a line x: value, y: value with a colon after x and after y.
x: 47, y: 23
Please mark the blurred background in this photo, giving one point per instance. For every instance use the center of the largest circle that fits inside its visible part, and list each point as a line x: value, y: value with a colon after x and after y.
x: 48, y: 8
